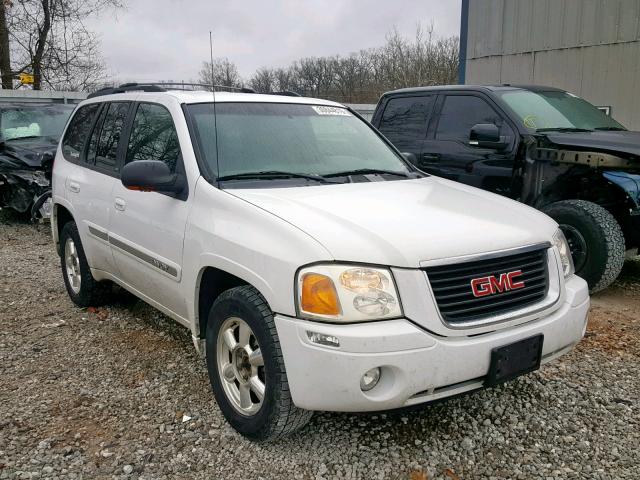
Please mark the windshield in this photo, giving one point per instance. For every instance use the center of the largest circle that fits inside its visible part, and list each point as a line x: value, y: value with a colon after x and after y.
x: 305, y: 140
x: 34, y: 121
x: 556, y: 110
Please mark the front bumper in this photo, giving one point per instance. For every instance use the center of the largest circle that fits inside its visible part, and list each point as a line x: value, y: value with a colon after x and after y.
x: 416, y: 366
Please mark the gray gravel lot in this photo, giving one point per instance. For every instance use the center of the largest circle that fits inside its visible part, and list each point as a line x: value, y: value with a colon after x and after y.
x: 119, y: 392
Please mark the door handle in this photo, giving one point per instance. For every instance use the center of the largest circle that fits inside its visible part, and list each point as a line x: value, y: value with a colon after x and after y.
x: 74, y: 187
x: 430, y: 157
x: 120, y: 204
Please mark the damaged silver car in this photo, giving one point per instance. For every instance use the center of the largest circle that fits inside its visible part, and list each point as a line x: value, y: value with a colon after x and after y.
x: 29, y: 135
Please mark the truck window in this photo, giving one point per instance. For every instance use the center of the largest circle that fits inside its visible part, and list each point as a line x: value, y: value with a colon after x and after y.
x: 405, y: 119
x: 110, y: 134
x: 153, y: 136
x: 76, y: 134
x: 460, y: 113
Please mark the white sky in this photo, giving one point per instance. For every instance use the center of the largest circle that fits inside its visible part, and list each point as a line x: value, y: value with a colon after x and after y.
x: 154, y: 40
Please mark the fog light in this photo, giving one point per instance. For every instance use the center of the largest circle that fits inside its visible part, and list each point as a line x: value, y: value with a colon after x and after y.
x: 370, y: 379
x: 322, y: 339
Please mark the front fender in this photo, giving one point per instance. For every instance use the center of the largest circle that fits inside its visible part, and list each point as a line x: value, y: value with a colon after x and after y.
x: 629, y: 183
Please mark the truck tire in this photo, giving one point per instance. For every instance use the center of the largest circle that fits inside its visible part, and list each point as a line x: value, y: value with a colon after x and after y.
x: 595, y: 238
x: 246, y: 367
x: 82, y: 288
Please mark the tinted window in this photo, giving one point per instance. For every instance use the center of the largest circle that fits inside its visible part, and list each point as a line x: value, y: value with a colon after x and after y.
x: 460, y: 113
x: 76, y: 134
x: 110, y: 134
x: 404, y: 121
x: 93, y: 139
x: 153, y: 136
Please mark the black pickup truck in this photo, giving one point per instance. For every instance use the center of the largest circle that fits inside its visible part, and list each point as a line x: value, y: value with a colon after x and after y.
x: 540, y: 145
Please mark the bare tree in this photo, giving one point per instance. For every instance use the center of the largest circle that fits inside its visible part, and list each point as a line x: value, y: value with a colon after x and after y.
x: 48, y: 39
x: 263, y: 81
x: 361, y: 77
x: 224, y: 72
x: 5, y: 51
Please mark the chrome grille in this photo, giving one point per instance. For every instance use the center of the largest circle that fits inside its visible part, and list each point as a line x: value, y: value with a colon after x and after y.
x: 451, y: 285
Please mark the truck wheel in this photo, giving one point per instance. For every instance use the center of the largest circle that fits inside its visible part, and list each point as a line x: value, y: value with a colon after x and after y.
x: 82, y: 288
x: 246, y: 367
x: 595, y: 238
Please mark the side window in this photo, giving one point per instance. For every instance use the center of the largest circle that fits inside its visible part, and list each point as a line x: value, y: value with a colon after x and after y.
x: 107, y: 149
x: 92, y: 148
x: 76, y: 134
x: 153, y: 136
x: 460, y: 113
x: 404, y: 121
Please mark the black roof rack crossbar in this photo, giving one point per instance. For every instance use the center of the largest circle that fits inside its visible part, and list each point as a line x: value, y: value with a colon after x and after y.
x: 286, y: 93
x: 162, y: 87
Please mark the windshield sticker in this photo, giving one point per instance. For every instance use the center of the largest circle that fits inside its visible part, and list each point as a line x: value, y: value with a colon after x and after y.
x: 322, y: 110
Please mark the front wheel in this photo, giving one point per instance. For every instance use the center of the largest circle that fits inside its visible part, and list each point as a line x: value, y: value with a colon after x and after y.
x: 595, y: 239
x: 246, y: 367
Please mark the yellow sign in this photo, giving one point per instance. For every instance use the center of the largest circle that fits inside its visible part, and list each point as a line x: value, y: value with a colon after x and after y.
x: 26, y: 79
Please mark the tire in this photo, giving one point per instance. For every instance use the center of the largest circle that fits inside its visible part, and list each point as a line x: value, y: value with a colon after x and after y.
x: 87, y: 292
x: 596, y: 240
x: 274, y: 415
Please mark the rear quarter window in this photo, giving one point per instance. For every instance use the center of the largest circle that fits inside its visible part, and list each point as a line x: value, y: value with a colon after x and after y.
x: 76, y: 135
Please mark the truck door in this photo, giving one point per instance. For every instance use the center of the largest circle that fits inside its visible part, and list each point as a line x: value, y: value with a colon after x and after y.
x: 146, y: 231
x: 448, y: 152
x: 404, y: 122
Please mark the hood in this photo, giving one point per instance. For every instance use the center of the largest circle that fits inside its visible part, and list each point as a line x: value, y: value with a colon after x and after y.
x: 402, y: 223
x: 615, y: 141
x: 29, y: 153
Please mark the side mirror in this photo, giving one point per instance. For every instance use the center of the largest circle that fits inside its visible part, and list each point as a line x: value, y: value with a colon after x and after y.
x: 151, y: 176
x: 410, y: 157
x: 487, y: 135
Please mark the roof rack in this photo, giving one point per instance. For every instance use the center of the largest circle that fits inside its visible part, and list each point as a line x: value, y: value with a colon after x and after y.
x: 286, y: 93
x: 162, y: 87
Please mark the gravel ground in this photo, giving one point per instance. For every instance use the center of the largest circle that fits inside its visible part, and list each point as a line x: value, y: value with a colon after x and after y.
x: 119, y: 392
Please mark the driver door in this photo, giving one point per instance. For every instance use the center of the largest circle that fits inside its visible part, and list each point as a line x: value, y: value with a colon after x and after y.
x: 448, y: 153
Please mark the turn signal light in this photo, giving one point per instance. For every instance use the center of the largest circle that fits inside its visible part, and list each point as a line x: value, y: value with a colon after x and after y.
x: 319, y: 295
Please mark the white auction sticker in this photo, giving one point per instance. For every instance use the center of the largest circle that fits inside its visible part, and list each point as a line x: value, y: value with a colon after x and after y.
x: 324, y: 110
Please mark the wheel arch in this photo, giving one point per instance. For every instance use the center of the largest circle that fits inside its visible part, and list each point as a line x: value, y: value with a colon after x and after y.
x: 60, y: 215
x: 211, y: 282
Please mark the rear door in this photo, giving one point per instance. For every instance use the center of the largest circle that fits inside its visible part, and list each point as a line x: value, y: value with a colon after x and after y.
x: 447, y: 151
x: 147, y: 228
x: 91, y: 142
x: 404, y: 122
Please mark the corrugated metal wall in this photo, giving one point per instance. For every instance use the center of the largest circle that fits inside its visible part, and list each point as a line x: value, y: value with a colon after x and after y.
x: 588, y: 47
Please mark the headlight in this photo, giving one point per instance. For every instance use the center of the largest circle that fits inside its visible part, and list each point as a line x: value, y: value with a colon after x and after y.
x: 565, y: 253
x: 347, y: 293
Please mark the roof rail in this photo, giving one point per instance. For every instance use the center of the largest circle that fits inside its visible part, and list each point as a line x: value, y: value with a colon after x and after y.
x: 286, y: 93
x: 162, y: 87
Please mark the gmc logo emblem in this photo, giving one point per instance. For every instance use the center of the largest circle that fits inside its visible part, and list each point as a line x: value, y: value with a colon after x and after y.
x: 483, y: 286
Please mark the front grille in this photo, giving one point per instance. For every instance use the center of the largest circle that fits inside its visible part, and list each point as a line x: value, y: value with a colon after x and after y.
x: 451, y: 285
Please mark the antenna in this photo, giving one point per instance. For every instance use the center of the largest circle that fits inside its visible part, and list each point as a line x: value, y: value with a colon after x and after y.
x: 213, y: 89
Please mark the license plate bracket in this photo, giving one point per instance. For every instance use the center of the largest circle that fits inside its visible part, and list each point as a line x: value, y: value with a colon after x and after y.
x: 513, y: 360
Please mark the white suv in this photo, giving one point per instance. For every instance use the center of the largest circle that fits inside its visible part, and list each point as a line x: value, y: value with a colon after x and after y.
x: 312, y: 263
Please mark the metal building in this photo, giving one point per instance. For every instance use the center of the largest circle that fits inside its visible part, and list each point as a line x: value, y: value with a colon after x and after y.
x: 587, y: 47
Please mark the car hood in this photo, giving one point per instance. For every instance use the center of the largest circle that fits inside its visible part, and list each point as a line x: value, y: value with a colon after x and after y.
x: 615, y: 141
x: 404, y: 223
x: 28, y: 153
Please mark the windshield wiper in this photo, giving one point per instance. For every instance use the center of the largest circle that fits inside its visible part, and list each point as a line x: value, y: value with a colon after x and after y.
x: 563, y: 129
x: 271, y: 175
x: 367, y: 171
x: 611, y: 129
